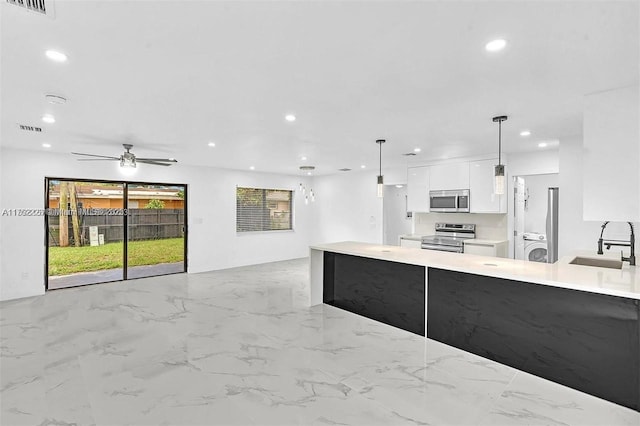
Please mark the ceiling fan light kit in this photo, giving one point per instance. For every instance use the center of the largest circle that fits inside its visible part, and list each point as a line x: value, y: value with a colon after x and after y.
x: 128, y: 158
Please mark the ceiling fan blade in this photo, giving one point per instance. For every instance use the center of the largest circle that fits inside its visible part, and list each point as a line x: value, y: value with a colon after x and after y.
x: 94, y: 155
x: 97, y: 159
x: 163, y: 160
x: 155, y: 163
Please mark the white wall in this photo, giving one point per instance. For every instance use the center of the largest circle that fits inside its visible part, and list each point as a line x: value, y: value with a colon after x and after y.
x: 1, y: 230
x: 395, y: 218
x: 488, y: 226
x: 347, y: 208
x: 213, y: 242
x: 523, y: 164
x: 574, y: 232
x: 533, y: 163
x: 611, y: 172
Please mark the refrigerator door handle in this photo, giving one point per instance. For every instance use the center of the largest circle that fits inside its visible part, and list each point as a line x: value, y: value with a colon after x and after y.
x: 552, y: 225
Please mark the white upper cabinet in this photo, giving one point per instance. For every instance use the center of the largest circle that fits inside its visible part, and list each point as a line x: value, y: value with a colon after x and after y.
x: 418, y: 189
x: 483, y: 199
x: 611, y: 166
x: 449, y: 176
x: 477, y: 176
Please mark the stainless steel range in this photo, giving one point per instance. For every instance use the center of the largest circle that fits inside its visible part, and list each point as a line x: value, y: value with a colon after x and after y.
x: 449, y: 237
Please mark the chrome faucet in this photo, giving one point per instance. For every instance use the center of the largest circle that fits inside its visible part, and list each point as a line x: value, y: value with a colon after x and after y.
x: 619, y: 243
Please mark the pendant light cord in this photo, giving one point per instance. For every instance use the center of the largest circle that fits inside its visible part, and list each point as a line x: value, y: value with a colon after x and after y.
x: 380, y: 158
x: 499, y: 142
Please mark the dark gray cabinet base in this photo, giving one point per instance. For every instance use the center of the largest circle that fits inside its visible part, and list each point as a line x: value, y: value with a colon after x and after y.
x: 389, y: 292
x: 587, y: 341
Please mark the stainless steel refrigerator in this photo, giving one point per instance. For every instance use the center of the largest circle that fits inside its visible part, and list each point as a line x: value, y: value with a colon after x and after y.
x: 552, y: 225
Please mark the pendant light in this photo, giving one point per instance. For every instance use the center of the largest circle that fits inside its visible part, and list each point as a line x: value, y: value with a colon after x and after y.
x: 380, y: 177
x: 498, y: 182
x: 311, y: 196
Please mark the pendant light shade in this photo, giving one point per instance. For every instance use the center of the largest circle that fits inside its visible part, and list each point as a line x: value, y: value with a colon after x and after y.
x: 380, y: 177
x: 499, y: 179
x: 498, y: 182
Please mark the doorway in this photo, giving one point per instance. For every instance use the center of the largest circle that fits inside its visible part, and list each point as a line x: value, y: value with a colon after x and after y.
x: 103, y: 231
x: 396, y: 219
x: 530, y: 214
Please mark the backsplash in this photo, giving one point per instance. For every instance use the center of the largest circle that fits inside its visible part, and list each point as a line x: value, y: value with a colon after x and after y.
x: 488, y: 226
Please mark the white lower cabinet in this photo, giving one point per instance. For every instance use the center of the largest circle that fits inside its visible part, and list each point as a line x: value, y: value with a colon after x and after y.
x: 405, y: 242
x: 486, y: 248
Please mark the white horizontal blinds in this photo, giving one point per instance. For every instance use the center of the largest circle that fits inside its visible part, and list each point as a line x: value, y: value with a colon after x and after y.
x: 260, y: 209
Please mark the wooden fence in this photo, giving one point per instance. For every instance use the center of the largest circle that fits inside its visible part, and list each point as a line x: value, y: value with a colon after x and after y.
x: 144, y: 224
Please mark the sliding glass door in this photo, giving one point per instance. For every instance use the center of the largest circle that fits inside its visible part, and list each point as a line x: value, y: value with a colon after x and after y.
x: 101, y: 231
x: 156, y: 243
x: 85, y: 232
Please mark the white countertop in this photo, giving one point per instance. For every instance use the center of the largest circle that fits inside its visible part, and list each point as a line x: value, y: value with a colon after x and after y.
x: 412, y: 237
x: 418, y: 237
x: 481, y: 241
x: 623, y: 282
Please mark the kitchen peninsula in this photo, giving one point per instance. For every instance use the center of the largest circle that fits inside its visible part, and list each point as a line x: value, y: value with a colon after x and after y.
x: 572, y: 324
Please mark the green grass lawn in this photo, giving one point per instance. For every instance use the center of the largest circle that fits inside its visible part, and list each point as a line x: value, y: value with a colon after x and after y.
x: 69, y: 260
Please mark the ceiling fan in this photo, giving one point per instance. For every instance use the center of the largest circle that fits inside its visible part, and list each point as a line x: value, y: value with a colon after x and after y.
x: 128, y: 159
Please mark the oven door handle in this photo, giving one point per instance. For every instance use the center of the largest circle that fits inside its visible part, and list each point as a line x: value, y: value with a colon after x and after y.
x: 441, y: 248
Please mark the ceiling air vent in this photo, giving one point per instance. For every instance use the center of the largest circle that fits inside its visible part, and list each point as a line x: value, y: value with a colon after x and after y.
x: 30, y: 128
x: 409, y: 154
x: 33, y: 5
x: 344, y: 170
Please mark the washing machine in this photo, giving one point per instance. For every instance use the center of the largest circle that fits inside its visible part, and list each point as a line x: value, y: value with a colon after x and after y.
x: 535, y: 247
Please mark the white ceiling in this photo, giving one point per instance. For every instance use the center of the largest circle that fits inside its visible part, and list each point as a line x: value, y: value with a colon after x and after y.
x: 171, y: 76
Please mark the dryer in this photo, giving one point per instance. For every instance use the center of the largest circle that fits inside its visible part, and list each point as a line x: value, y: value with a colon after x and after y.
x: 535, y: 247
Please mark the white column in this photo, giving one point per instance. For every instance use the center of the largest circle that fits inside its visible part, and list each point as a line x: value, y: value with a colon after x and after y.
x: 316, y: 276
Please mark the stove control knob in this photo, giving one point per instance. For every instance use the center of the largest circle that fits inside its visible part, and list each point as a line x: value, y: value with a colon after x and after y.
x: 541, y: 237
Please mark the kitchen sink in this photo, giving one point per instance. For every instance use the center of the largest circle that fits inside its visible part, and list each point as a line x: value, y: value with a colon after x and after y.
x: 597, y: 262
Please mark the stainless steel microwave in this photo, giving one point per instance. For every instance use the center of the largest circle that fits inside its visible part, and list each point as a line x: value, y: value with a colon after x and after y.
x: 452, y: 201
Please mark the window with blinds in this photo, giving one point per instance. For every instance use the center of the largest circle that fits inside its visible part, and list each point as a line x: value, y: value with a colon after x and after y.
x: 263, y: 209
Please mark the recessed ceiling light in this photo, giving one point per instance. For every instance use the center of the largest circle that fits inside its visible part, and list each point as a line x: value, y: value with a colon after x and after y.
x: 48, y: 118
x: 211, y: 144
x: 417, y: 149
x: 496, y: 45
x: 363, y: 166
x: 290, y: 117
x: 252, y: 168
x: 542, y: 145
x: 398, y: 186
x: 303, y: 158
x: 46, y: 145
x: 56, y: 56
x: 525, y: 133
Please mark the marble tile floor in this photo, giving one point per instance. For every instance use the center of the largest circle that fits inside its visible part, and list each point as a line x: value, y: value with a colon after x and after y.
x: 241, y: 347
